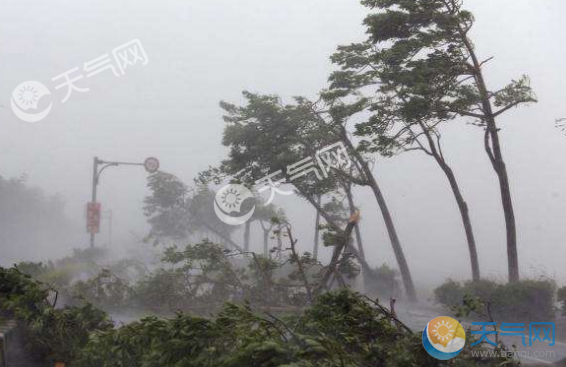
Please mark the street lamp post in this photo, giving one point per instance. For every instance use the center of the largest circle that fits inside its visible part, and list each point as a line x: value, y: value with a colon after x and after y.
x: 151, y: 165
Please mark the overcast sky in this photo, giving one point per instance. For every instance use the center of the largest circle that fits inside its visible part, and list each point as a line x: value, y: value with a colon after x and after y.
x: 201, y: 52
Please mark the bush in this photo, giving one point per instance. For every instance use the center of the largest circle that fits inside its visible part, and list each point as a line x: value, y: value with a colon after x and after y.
x: 525, y: 301
x: 450, y: 293
x: 106, y: 291
x: 341, y: 329
x: 561, y: 297
x: 53, y: 334
x: 382, y: 281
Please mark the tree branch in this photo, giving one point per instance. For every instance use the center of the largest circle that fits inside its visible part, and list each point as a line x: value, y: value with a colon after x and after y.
x: 506, y: 108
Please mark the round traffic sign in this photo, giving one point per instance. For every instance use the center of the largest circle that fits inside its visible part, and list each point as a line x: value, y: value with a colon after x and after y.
x: 151, y: 164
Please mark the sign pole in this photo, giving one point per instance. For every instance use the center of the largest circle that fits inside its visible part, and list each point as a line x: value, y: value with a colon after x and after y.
x: 151, y: 165
x: 93, y: 200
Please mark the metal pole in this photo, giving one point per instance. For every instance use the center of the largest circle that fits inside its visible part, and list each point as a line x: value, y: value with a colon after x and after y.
x: 94, y: 186
x: 151, y: 165
x: 110, y: 228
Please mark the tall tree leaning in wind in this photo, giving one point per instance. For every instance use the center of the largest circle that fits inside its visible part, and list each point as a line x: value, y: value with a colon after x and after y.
x: 332, y: 115
x: 264, y: 136
x: 397, y: 124
x: 423, y: 48
x: 267, y: 134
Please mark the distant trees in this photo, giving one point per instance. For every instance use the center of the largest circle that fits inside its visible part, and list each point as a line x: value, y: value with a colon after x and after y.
x: 427, y: 70
x: 176, y: 212
x: 29, y: 218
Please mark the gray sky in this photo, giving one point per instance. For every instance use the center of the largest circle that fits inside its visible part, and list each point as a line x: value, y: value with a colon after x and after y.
x: 201, y: 52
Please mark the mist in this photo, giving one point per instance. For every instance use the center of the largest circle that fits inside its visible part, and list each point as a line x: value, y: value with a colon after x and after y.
x: 201, y: 53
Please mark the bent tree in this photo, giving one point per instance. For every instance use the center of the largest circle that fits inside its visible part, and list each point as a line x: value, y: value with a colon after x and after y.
x: 423, y: 49
x: 333, y: 118
x: 266, y: 136
x: 397, y: 124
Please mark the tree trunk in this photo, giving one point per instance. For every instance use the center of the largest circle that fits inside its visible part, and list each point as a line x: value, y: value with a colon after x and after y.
x: 316, y: 231
x: 496, y: 158
x: 334, y: 261
x: 357, y: 232
x: 266, y: 242
x: 462, y: 205
x: 247, y: 236
x: 366, y: 276
x: 395, y: 243
x: 335, y: 227
x: 507, y: 202
x: 279, y: 241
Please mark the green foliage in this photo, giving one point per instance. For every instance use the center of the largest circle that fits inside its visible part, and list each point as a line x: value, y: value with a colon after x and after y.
x: 201, y: 277
x: 53, y: 334
x: 561, y: 297
x: 106, y: 291
x: 175, y: 212
x: 265, y: 135
x: 61, y: 273
x: 419, y: 57
x: 525, y: 301
x: 383, y: 281
x: 166, y: 207
x: 342, y: 329
x: 162, y: 291
x: 450, y: 293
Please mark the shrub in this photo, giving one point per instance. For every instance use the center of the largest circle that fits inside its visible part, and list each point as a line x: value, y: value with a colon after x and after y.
x: 106, y: 291
x: 341, y: 329
x: 561, y: 297
x: 53, y: 334
x: 382, y: 281
x: 450, y: 293
x: 524, y: 301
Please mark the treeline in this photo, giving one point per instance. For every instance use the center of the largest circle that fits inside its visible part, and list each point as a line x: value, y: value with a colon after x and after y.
x: 417, y: 70
x: 31, y: 221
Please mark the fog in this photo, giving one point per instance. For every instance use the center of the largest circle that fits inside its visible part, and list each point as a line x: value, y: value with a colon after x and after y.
x: 200, y: 53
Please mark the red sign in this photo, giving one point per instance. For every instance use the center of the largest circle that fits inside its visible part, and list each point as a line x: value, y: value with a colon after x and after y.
x: 93, y: 217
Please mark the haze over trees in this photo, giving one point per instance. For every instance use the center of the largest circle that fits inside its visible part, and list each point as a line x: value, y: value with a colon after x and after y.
x: 30, y: 220
x: 198, y: 290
